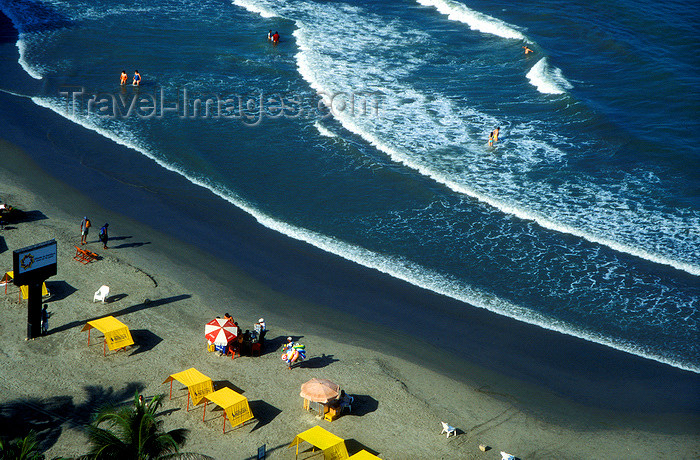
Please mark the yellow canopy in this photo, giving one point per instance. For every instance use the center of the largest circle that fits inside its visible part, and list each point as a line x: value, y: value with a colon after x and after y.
x: 25, y: 291
x: 234, y: 405
x: 198, y: 384
x: 116, y: 333
x: 363, y: 455
x: 333, y: 447
x: 9, y: 276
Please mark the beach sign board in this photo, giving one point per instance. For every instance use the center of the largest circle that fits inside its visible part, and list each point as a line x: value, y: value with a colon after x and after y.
x: 34, y: 264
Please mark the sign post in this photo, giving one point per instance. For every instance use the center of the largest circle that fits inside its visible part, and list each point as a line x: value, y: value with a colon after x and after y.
x: 32, y: 266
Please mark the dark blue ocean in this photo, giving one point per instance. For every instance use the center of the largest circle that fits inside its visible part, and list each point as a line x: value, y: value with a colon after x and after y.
x: 364, y: 133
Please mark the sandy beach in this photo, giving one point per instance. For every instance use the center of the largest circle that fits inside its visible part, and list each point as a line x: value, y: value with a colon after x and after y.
x: 166, y: 289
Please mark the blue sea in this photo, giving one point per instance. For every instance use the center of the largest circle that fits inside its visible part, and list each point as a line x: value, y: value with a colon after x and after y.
x: 364, y: 133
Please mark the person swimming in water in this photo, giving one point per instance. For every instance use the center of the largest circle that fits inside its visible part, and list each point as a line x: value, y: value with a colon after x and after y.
x: 137, y: 78
x: 493, y: 137
x: 527, y: 50
x: 123, y: 77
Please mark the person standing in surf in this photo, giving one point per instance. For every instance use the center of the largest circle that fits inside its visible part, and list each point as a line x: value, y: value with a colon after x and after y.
x: 269, y: 35
x: 137, y: 78
x: 123, y: 77
x: 493, y: 137
x: 275, y: 38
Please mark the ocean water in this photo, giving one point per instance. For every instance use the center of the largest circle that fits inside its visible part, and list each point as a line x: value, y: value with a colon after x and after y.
x: 364, y: 133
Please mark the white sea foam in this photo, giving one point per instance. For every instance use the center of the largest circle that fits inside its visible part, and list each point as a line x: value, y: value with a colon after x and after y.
x: 255, y: 7
x: 31, y: 70
x: 547, y: 79
x: 323, y: 131
x: 21, y: 44
x: 456, y: 11
x: 121, y: 137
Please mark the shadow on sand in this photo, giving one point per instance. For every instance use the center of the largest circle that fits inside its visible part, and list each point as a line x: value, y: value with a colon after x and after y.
x: 144, y: 340
x: 132, y: 309
x: 59, y: 290
x: 264, y: 413
x: 48, y: 417
x: 317, y: 362
x: 362, y: 405
x: 354, y: 446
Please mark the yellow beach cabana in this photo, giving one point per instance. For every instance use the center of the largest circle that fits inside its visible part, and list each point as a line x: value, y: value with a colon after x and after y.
x: 24, y: 290
x: 363, y: 455
x: 333, y: 447
x: 116, y: 333
x: 235, y: 406
x: 198, y: 385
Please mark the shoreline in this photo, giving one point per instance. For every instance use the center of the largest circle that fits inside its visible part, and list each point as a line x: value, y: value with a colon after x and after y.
x: 297, y: 269
x: 392, y: 388
x: 517, y: 387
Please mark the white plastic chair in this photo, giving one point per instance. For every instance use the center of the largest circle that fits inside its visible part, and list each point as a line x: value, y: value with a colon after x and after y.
x: 101, y: 294
x: 450, y: 430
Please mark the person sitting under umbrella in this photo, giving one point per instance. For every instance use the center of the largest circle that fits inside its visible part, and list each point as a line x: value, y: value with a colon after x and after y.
x: 345, y: 400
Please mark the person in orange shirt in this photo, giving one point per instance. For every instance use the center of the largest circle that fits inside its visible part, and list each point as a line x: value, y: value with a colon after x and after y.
x: 84, y: 230
x: 123, y: 77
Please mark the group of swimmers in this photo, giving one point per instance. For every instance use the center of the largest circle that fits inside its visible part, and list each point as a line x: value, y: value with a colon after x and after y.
x: 137, y: 78
x: 274, y: 38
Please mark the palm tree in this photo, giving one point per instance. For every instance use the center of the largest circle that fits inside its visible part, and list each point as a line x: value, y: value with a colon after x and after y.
x: 135, y: 434
x: 26, y: 448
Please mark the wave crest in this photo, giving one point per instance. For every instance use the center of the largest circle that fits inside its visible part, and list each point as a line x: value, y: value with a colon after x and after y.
x: 254, y: 7
x: 476, y: 21
x: 548, y: 80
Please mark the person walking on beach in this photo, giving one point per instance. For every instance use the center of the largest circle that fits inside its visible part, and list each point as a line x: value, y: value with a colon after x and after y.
x: 44, y: 321
x: 137, y: 78
x: 84, y: 230
x: 104, y: 236
x: 123, y: 77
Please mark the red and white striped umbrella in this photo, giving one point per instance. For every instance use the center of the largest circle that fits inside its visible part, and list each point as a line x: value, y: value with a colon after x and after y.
x: 220, y: 331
